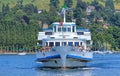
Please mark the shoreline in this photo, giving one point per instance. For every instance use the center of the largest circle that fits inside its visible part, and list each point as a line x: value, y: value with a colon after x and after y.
x: 15, y: 53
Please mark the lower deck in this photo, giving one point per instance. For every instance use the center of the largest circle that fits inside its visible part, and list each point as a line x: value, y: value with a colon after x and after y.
x: 64, y: 56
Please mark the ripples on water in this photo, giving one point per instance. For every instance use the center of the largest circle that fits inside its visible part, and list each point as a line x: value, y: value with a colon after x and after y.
x: 102, y: 65
x: 65, y: 72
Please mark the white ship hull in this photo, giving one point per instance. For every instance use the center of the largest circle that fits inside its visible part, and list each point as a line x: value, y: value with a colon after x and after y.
x: 64, y: 57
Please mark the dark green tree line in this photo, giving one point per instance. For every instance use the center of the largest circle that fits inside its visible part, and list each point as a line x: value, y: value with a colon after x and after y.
x: 19, y: 25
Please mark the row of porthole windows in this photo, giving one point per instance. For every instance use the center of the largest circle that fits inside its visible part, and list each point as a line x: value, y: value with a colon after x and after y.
x: 64, y: 44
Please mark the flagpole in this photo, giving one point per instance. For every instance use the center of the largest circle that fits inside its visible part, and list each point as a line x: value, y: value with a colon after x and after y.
x: 64, y: 15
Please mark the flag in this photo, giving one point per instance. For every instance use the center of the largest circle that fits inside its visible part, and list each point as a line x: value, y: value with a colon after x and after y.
x: 64, y: 6
x: 60, y: 23
x: 63, y: 9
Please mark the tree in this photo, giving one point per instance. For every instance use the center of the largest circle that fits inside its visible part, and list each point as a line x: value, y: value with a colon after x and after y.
x: 68, y: 3
x: 7, y: 8
x: 43, y: 17
x: 79, y: 11
x: 69, y: 15
x: 30, y: 9
x: 55, y: 3
x: 82, y: 5
x: 19, y: 4
x: 110, y: 9
x: 97, y: 6
x: 116, y: 35
x: 115, y: 20
x: 53, y: 15
x: 69, y: 11
x: 3, y: 10
x: 18, y: 17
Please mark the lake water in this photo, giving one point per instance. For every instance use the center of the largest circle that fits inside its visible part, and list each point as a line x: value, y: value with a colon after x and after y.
x: 16, y: 65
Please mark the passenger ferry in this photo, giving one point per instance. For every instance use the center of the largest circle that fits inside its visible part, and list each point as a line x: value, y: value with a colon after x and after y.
x: 64, y: 46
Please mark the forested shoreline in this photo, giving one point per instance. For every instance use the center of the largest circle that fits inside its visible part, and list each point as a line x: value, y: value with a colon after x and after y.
x: 20, y: 24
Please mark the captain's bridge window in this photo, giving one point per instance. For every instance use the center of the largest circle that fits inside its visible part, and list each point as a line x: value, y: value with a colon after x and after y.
x: 59, y: 29
x: 64, y: 29
x: 69, y: 29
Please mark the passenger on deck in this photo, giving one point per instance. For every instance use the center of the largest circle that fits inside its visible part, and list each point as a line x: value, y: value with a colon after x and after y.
x: 88, y: 48
x: 47, y: 48
x: 80, y: 48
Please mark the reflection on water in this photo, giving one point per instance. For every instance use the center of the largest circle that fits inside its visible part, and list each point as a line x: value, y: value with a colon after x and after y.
x: 65, y: 72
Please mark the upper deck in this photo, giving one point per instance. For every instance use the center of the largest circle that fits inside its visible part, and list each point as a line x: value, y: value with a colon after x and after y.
x: 65, y: 34
x: 64, y: 30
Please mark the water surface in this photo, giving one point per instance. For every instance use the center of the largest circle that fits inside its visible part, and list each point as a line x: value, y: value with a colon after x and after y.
x: 16, y: 65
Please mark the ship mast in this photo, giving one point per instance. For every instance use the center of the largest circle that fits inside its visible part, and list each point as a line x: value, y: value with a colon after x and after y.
x: 64, y: 15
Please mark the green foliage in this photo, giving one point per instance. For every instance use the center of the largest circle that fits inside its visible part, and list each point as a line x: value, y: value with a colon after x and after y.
x: 18, y: 29
x: 69, y: 11
x: 52, y: 14
x: 116, y: 35
x: 98, y: 7
x: 116, y: 19
x: 103, y: 37
x: 20, y: 4
x: 79, y: 11
x: 17, y: 35
x: 68, y: 3
x: 5, y: 10
x: 44, y: 17
x: 19, y: 25
x: 30, y: 9
x: 109, y: 8
x: 69, y: 16
x: 44, y: 4
x: 54, y: 3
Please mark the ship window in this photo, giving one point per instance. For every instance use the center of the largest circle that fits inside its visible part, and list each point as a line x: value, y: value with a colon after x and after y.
x: 64, y: 29
x: 80, y: 33
x: 76, y: 43
x: 57, y: 43
x: 48, y: 33
x: 54, y: 28
x: 52, y: 37
x: 64, y: 43
x: 70, y: 43
x: 80, y: 43
x: 51, y: 44
x: 73, y: 29
x: 69, y: 29
x: 46, y: 44
x: 59, y: 29
x: 75, y: 37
